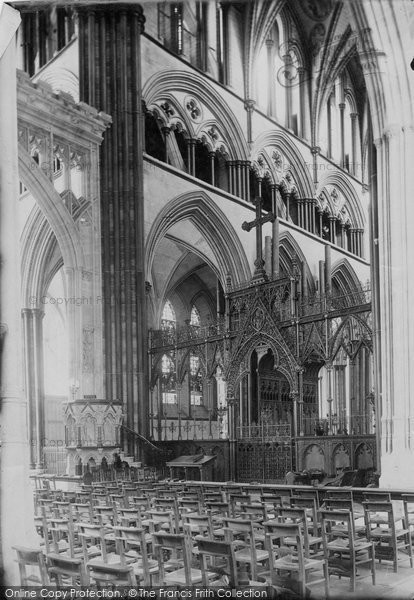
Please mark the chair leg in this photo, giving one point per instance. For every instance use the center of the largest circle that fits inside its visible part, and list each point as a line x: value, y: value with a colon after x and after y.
x: 373, y: 566
x: 410, y: 549
x: 326, y: 574
x: 353, y: 577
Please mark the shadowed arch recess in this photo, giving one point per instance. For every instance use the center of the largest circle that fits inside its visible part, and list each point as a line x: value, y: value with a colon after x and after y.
x: 212, y: 223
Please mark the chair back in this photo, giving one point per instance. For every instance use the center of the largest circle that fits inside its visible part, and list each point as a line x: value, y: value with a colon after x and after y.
x: 179, y: 547
x: 309, y: 504
x: 408, y: 505
x: 28, y: 557
x: 218, y: 550
x: 198, y: 524
x: 377, y: 496
x: 285, y: 542
x: 61, y: 568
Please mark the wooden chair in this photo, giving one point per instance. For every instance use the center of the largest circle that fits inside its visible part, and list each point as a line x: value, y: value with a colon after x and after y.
x: 41, y: 525
x: 408, y: 507
x: 99, y: 498
x: 290, y: 571
x: 377, y: 496
x: 186, y: 505
x: 118, y: 501
x: 312, y: 544
x: 235, y: 500
x: 198, y: 525
x: 178, y: 546
x: 132, y: 547
x: 105, y: 515
x: 61, y: 531
x: 29, y: 557
x: 278, y: 490
x: 335, y: 494
x: 218, y: 512
x: 309, y: 504
x: 158, y: 520
x: 298, y: 492
x: 243, y: 533
x: 343, y: 552
x: 65, y: 570
x: 143, y: 503
x: 98, y: 544
x: 212, y: 497
x: 348, y: 506
x: 273, y: 502
x: 168, y: 505
x: 82, y: 512
x: 254, y: 491
x: 254, y: 512
x: 129, y: 517
x: 217, y: 557
x: 390, y: 535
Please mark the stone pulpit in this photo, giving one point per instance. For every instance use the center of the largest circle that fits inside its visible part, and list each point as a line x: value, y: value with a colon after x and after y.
x: 92, y: 432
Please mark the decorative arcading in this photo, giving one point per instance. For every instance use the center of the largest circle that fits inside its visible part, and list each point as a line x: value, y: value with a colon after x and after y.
x: 183, y: 81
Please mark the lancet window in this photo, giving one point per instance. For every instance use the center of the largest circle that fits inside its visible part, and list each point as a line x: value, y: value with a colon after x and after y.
x: 196, y: 381
x: 168, y: 380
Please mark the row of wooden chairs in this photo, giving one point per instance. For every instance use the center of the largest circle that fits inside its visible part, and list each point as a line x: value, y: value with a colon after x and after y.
x: 243, y: 506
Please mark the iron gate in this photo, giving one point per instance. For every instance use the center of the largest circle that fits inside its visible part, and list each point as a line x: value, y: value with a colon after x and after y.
x: 263, y: 453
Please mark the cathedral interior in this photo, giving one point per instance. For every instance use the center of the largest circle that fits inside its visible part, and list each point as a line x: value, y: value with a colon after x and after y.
x: 205, y: 241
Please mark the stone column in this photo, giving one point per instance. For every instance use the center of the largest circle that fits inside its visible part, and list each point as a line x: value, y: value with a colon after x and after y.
x: 328, y: 270
x: 342, y: 131
x: 275, y: 237
x: 268, y: 255
x: 395, y: 329
x: 211, y: 156
x: 16, y: 518
x: 230, y: 166
x: 249, y: 106
x: 191, y: 156
x: 332, y: 227
x: 232, y: 436
x: 303, y: 99
x: 300, y: 202
x: 38, y: 388
x: 354, y: 168
x: 270, y: 77
x: 110, y: 80
x: 315, y: 150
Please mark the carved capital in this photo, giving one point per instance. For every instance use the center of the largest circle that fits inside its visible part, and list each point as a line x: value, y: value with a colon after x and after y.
x: 249, y: 105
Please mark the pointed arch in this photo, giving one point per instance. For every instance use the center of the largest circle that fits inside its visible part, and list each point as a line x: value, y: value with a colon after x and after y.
x: 189, y: 82
x: 291, y: 248
x: 166, y: 104
x: 345, y: 277
x: 300, y: 170
x: 353, y: 204
x: 284, y: 359
x: 212, y: 223
x: 50, y: 203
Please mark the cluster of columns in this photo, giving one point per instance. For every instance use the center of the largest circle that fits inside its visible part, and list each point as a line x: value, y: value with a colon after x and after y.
x: 110, y: 81
x: 306, y: 214
x: 353, y: 166
x: 311, y: 219
x: 239, y: 178
x: 355, y: 241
